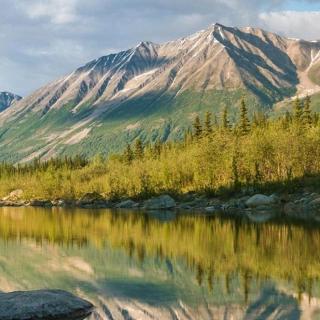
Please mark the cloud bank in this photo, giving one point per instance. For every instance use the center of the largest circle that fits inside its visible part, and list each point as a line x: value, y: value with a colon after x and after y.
x: 41, y: 40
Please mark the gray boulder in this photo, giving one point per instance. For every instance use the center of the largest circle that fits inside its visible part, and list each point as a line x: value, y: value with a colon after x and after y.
x: 158, y: 203
x: 43, y: 305
x: 260, y: 200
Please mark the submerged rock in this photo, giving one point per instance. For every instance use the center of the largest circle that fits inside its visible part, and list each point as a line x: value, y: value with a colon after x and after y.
x: 43, y: 305
x: 162, y: 202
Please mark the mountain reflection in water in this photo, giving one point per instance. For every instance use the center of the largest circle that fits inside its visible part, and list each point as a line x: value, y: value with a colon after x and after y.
x: 134, y: 265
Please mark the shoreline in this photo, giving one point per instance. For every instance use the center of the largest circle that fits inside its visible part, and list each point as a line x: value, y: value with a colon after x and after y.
x: 303, y: 206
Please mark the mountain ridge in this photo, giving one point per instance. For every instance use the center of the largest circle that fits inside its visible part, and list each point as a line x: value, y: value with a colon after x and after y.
x: 153, y: 90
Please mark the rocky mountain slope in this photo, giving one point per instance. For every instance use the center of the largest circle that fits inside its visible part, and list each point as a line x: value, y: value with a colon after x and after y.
x: 7, y: 99
x: 154, y: 91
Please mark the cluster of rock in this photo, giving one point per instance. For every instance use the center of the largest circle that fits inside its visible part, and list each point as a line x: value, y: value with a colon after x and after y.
x: 43, y: 305
x: 256, y: 207
x: 89, y: 200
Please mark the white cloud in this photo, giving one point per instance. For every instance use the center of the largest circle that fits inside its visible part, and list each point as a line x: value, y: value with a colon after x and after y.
x: 297, y: 24
x: 58, y: 11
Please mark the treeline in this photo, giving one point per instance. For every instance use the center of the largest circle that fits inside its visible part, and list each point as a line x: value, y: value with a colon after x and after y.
x: 301, y: 117
x: 70, y: 163
x: 216, y: 156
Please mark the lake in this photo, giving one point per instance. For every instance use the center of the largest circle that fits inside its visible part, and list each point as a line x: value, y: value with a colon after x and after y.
x: 163, y: 265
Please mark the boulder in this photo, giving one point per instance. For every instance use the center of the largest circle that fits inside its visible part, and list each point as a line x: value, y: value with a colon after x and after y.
x: 14, y: 195
x: 43, y: 305
x: 158, y: 203
x: 260, y: 200
x: 127, y: 204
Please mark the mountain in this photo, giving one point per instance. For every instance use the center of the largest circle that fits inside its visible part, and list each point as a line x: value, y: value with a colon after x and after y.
x: 154, y: 91
x: 7, y: 99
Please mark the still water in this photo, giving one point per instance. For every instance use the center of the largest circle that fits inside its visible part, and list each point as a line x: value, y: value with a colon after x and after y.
x: 136, y: 265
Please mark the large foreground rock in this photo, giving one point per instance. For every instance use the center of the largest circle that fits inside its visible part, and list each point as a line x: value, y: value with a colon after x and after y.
x: 43, y: 305
x: 158, y: 203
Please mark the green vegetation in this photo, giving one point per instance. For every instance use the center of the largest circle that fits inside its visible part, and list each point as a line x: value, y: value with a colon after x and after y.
x: 314, y: 73
x: 214, y: 158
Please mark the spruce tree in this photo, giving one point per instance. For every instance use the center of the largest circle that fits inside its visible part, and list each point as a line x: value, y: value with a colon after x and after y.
x: 307, y: 116
x: 244, y: 120
x: 157, y: 149
x: 138, y: 149
x: 225, y: 119
x: 315, y: 119
x: 297, y: 111
x: 208, y: 124
x: 197, y: 127
x: 128, y: 154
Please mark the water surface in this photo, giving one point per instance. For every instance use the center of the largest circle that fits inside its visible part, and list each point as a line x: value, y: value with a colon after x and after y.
x: 162, y: 265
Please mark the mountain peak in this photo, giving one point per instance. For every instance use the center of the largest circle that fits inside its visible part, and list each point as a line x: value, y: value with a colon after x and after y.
x: 145, y: 44
x: 7, y: 99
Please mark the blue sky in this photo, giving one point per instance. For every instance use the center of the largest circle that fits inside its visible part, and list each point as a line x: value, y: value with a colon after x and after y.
x: 302, y: 5
x: 41, y: 40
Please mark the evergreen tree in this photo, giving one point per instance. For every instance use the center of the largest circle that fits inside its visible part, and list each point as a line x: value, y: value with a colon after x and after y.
x: 138, y: 149
x: 197, y: 127
x: 307, y: 116
x: 157, y: 149
x: 298, y: 111
x: 187, y: 137
x: 315, y: 119
x: 225, y: 119
x: 215, y: 121
x: 208, y: 124
x: 128, y: 154
x: 244, y: 120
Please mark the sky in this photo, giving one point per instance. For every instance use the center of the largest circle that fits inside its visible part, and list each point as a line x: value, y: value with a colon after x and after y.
x: 42, y: 40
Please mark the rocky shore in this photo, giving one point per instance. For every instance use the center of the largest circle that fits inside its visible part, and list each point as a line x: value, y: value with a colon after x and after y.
x: 256, y: 207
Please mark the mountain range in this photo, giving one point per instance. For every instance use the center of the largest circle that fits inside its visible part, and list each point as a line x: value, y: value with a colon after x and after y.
x: 153, y: 91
